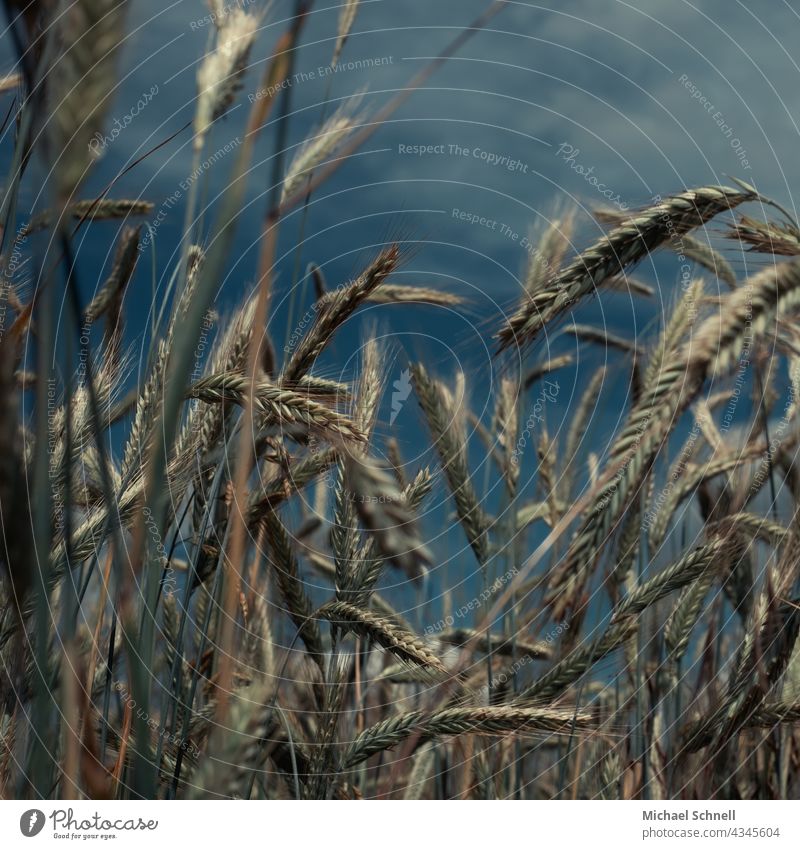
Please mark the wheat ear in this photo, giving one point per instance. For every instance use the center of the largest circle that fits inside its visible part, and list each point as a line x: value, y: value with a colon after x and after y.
x: 276, y: 404
x: 457, y: 721
x: 622, y: 247
x: 396, y: 640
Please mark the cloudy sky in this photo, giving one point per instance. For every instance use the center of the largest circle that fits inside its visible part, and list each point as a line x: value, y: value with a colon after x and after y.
x: 647, y: 97
x: 554, y: 105
x: 654, y: 97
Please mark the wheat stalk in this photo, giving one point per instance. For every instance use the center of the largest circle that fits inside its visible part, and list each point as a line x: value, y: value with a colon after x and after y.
x: 347, y: 17
x: 396, y: 640
x: 394, y: 294
x: 457, y: 721
x: 320, y: 147
x: 440, y: 414
x: 694, y: 249
x: 335, y: 309
x: 276, y: 404
x: 220, y: 73
x: 628, y: 243
x: 89, y: 210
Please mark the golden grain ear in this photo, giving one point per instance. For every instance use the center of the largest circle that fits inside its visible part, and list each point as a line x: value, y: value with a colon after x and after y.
x: 321, y: 146
x: 346, y: 19
x: 220, y: 74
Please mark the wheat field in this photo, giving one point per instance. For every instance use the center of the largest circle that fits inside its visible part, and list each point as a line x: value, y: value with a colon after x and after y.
x: 222, y: 578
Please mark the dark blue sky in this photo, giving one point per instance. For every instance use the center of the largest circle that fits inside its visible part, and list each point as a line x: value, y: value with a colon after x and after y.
x: 651, y: 97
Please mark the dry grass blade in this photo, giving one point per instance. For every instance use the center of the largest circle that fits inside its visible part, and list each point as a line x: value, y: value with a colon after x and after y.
x: 599, y: 336
x: 10, y: 82
x: 629, y: 284
x: 548, y: 366
x: 531, y: 512
x: 90, y: 210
